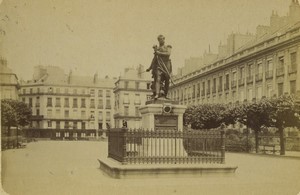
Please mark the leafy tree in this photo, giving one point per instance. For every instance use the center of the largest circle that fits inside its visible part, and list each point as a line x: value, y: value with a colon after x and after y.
x: 14, y: 113
x: 207, y: 116
x: 284, y: 115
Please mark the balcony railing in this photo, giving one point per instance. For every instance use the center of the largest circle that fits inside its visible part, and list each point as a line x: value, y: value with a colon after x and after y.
x: 226, y: 86
x: 37, y: 104
x: 214, y: 90
x: 280, y: 72
x: 249, y: 79
x: 233, y: 84
x: 292, y: 69
x: 220, y: 89
x: 258, y: 77
x: 166, y: 147
x: 269, y: 74
x: 241, y: 82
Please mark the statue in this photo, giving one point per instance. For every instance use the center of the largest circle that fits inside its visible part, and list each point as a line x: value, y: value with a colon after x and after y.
x: 161, y: 67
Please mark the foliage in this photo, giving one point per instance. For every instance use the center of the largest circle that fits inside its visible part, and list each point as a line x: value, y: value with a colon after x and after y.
x: 14, y: 113
x: 207, y: 116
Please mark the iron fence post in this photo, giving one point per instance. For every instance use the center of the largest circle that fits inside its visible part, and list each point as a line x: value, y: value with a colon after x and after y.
x: 222, y: 145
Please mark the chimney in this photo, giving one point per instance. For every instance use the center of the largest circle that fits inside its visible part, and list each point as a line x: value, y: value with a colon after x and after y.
x: 70, y: 77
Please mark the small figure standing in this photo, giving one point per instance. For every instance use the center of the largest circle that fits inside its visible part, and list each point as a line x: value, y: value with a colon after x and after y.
x: 161, y: 67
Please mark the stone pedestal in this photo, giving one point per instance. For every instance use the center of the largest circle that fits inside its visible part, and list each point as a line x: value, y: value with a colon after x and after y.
x: 162, y: 115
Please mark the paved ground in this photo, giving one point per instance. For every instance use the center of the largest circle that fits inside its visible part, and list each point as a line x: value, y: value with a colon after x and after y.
x: 71, y: 167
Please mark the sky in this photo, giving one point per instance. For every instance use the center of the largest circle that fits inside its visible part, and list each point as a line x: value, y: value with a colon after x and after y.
x: 105, y: 36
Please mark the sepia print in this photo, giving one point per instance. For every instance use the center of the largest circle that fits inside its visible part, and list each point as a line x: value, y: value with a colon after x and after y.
x: 150, y: 97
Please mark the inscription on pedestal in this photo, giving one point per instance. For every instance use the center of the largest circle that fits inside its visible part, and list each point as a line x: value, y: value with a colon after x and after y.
x: 165, y: 122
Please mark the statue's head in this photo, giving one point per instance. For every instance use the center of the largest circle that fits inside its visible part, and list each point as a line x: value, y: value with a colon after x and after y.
x: 161, y: 39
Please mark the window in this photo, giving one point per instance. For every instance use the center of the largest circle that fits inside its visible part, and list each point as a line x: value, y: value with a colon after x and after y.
x: 148, y: 85
x: 30, y: 91
x: 49, y: 123
x: 75, y: 125
x: 269, y: 66
x: 23, y: 100
x: 208, y: 87
x: 100, y: 93
x: 74, y: 134
x: 92, y: 105
x: 220, y: 84
x: 57, y: 113
x: 214, y: 85
x: 38, y: 90
x: 82, y: 103
x: 67, y: 134
x: 126, y: 98
x: 67, y: 102
x: 49, y: 113
x: 37, y: 103
x: 57, y: 134
x: 227, y: 80
x: 198, y: 90
x: 100, y: 103
x: 67, y: 125
x: 250, y: 94
x: 92, y: 92
x: 250, y: 70
x: 293, y: 61
x: 259, y: 69
x: 82, y: 134
x: 137, y: 99
x: 100, y: 115
x: 67, y: 113
x: 242, y: 72
x: 57, y: 126
x: 92, y: 114
x: 57, y: 102
x: 24, y: 91
x: 108, y: 106
x: 259, y: 92
x: 50, y: 90
x: 108, y: 94
x: 37, y: 112
x: 137, y: 85
x: 126, y: 110
x: 49, y: 102
x: 82, y: 125
x: 30, y: 102
x: 280, y: 89
x: 83, y: 114
x: 75, y: 103
x: 281, y: 62
x: 293, y: 87
x: 137, y: 111
x: 107, y: 115
x: 126, y: 83
x: 269, y: 91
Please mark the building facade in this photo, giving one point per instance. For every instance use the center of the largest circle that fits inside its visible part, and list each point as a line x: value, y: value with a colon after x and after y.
x: 9, y: 84
x: 266, y: 66
x: 66, y: 106
x: 131, y: 91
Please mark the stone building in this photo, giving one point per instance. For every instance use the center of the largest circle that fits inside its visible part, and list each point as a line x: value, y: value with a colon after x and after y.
x: 67, y: 106
x: 265, y: 65
x: 9, y: 84
x: 132, y: 90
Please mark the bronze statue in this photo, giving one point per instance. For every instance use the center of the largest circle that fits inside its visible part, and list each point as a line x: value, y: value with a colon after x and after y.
x: 161, y: 67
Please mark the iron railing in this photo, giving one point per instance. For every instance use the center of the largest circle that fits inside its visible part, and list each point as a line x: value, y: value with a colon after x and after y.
x: 166, y: 146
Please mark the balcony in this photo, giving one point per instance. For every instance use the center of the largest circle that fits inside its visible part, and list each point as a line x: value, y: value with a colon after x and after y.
x: 258, y: 77
x: 220, y: 89
x: 214, y: 90
x: 208, y: 92
x: 226, y: 86
x: 37, y: 104
x: 57, y: 105
x: 292, y: 69
x: 92, y: 106
x: 233, y: 84
x: 37, y: 117
x: 241, y: 81
x: 269, y: 74
x: 137, y: 102
x: 249, y: 79
x: 100, y: 106
x: 108, y: 107
x: 279, y: 72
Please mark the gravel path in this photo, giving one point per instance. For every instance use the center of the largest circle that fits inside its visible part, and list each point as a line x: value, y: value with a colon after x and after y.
x: 71, y: 167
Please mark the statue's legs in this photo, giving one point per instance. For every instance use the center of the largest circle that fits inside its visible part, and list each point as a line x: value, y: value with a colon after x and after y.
x: 157, y: 85
x: 167, y: 83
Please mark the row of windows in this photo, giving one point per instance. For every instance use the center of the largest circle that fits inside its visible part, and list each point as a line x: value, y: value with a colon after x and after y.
x: 241, y: 96
x: 68, y: 91
x: 75, y: 103
x: 136, y: 111
x: 134, y: 85
x: 83, y: 114
x: 216, y: 84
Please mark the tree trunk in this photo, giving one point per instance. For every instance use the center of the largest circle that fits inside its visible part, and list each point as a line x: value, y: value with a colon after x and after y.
x: 281, y: 137
x: 256, y: 141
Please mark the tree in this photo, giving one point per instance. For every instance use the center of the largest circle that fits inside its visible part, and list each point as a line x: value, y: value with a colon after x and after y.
x: 284, y: 115
x: 14, y: 113
x: 207, y: 116
x: 255, y: 116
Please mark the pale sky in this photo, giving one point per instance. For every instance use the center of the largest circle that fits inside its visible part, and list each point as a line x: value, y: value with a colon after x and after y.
x: 105, y: 36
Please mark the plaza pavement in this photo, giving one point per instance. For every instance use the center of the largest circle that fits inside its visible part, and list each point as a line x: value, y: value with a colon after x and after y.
x: 71, y: 167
